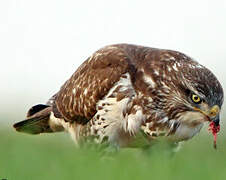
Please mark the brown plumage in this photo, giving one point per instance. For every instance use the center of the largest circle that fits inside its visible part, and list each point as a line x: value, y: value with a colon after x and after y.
x: 122, y: 90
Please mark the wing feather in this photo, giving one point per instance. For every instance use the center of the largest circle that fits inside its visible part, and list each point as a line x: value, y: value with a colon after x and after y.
x: 92, y: 81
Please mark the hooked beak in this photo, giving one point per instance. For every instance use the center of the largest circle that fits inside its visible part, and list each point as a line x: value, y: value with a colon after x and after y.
x: 212, y: 114
x: 216, y: 120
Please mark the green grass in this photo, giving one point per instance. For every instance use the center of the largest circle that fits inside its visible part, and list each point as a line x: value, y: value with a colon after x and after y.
x: 54, y: 156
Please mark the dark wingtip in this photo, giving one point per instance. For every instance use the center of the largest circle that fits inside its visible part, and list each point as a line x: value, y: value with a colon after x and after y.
x: 29, y: 126
x: 18, y: 126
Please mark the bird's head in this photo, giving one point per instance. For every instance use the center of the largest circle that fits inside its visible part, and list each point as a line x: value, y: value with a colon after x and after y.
x: 182, y: 89
x: 198, y: 95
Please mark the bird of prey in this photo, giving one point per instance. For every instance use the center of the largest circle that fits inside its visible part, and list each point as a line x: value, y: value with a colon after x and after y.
x: 125, y: 91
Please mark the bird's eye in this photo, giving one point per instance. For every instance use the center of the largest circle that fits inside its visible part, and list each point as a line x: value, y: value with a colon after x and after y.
x: 196, y: 99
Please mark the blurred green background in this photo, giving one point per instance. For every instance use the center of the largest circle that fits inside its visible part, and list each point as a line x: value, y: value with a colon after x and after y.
x: 54, y: 156
x: 43, y: 42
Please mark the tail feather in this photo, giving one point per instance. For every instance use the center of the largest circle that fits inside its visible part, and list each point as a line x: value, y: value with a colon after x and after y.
x: 37, y: 123
x: 34, y: 125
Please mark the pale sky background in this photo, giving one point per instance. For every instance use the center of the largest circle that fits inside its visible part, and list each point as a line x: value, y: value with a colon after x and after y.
x: 43, y: 42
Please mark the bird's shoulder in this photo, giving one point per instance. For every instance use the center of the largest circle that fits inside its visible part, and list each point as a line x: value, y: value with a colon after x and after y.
x: 91, y: 82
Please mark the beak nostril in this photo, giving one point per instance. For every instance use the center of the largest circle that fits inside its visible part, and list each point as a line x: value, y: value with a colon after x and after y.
x: 214, y: 111
x: 213, y: 114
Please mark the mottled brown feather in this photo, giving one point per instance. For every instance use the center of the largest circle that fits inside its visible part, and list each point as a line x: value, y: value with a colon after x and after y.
x: 95, y: 76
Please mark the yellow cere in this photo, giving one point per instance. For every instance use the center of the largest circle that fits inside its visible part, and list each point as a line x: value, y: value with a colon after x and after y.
x: 214, y: 111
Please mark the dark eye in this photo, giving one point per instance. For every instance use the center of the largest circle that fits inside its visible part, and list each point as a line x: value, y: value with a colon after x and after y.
x: 196, y: 99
